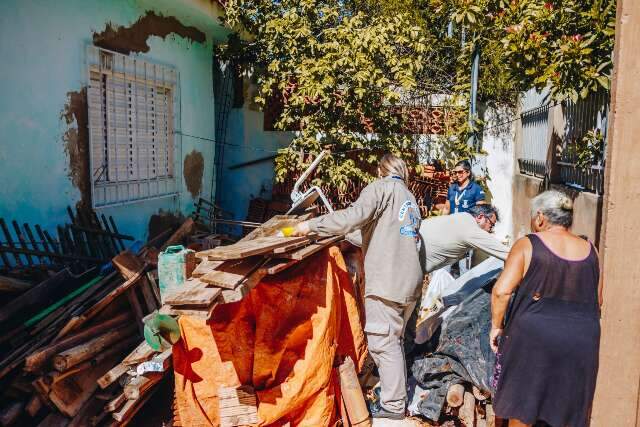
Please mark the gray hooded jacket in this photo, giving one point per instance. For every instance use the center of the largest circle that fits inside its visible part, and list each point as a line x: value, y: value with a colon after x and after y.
x: 389, y: 219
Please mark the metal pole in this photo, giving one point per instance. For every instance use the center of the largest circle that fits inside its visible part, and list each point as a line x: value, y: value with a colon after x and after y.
x: 475, y: 73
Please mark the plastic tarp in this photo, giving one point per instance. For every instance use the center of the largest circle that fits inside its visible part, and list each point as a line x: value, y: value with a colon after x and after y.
x: 281, y: 339
x: 443, y: 292
x: 463, y: 353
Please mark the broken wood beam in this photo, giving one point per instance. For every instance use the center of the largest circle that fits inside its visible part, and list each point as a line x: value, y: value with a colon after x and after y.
x: 230, y: 274
x: 139, y: 385
x: 35, y: 360
x: 87, y: 350
x: 307, y: 251
x: 185, y: 229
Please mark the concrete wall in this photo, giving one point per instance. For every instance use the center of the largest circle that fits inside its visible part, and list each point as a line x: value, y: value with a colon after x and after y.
x: 587, y: 206
x: 42, y: 78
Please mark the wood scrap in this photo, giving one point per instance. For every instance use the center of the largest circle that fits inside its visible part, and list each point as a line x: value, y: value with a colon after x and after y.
x: 238, y: 406
x: 116, y: 403
x: 87, y: 350
x: 311, y: 249
x: 12, y: 285
x: 234, y: 295
x: 130, y: 407
x: 243, y: 249
x: 10, y: 414
x: 139, y: 385
x: 205, y: 267
x: 139, y: 354
x: 35, y: 360
x: 455, y: 395
x: 275, y: 266
x: 70, y: 394
x: 194, y: 292
x: 180, y: 234
x: 34, y: 405
x: 230, y: 274
x: 467, y: 410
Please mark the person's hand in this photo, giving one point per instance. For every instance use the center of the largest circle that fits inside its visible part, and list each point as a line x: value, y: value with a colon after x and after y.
x: 301, y: 229
x: 493, y: 338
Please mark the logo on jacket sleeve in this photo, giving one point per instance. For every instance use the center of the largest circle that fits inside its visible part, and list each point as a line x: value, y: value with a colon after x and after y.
x: 410, y: 210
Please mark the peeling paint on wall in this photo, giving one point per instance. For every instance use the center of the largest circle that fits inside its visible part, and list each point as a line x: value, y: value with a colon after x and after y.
x: 134, y: 38
x: 76, y: 143
x: 193, y: 170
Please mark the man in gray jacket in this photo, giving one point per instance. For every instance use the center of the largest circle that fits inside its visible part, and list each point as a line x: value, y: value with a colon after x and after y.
x: 388, y: 217
x: 449, y: 237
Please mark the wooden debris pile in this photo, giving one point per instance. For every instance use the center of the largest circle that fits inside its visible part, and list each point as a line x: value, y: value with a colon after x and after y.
x: 227, y: 273
x: 72, y: 350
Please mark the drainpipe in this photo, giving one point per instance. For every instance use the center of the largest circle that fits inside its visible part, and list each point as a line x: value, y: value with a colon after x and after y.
x: 475, y: 74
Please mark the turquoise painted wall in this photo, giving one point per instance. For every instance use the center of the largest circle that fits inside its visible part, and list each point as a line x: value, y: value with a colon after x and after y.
x: 246, y: 141
x: 42, y: 50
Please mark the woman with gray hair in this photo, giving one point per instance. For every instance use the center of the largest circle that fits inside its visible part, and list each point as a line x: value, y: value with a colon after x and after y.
x: 548, y: 348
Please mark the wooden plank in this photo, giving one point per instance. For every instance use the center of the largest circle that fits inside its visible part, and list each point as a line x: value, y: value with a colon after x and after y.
x: 312, y: 249
x: 193, y: 292
x: 140, y: 385
x: 116, y: 403
x: 238, y: 406
x: 180, y: 234
x: 272, y: 226
x: 132, y: 297
x: 233, y: 295
x: 34, y: 244
x: 199, y: 312
x: 205, y: 267
x: 87, y: 350
x: 36, y: 359
x: 257, y: 246
x: 297, y: 245
x: 139, y: 354
x: 9, y: 284
x: 70, y: 394
x: 9, y: 240
x: 231, y: 273
x: 23, y: 243
x: 149, y: 298
x: 275, y: 266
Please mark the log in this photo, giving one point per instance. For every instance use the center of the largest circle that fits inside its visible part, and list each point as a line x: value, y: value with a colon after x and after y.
x: 455, y: 395
x: 490, y: 416
x: 89, y: 349
x: 35, y: 360
x: 180, y: 234
x: 138, y: 386
x: 352, y: 394
x: 10, y: 414
x: 117, y: 348
x: 468, y: 410
x: 480, y: 394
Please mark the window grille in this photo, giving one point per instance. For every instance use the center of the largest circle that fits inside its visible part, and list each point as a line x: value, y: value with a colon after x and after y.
x: 131, y: 122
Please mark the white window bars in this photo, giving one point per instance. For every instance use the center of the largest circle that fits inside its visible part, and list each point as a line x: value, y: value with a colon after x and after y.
x: 131, y: 106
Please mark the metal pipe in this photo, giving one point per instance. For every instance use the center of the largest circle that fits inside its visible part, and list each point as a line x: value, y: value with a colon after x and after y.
x: 475, y: 74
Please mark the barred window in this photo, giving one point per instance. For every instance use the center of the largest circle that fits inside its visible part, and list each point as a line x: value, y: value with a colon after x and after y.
x: 131, y: 122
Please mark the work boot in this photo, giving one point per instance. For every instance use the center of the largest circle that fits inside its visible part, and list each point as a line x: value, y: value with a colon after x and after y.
x: 380, y: 412
x: 383, y: 413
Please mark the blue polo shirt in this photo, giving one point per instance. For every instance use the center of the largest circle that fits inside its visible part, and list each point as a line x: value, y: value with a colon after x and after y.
x: 461, y: 200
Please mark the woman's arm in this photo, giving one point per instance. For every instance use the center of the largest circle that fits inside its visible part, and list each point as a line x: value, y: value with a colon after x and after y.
x: 507, y: 283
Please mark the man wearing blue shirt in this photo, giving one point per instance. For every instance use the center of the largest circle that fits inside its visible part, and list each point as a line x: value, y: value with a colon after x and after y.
x: 464, y: 193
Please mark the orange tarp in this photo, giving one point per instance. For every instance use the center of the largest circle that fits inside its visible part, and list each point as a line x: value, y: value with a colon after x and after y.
x: 281, y: 339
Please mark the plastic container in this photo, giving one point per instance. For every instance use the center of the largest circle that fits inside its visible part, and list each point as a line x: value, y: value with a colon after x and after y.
x: 175, y: 265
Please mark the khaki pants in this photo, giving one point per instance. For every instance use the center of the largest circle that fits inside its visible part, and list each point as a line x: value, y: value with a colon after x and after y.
x: 385, y: 325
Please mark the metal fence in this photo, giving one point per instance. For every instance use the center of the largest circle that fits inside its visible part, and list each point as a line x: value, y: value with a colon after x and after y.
x: 539, y: 155
x: 535, y: 130
x: 580, y: 118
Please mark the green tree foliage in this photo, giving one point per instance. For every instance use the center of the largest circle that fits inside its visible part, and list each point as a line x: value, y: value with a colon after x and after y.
x: 338, y: 71
x: 339, y: 66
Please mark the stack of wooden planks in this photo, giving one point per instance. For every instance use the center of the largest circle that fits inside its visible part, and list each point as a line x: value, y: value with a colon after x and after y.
x: 72, y: 350
x: 227, y: 273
